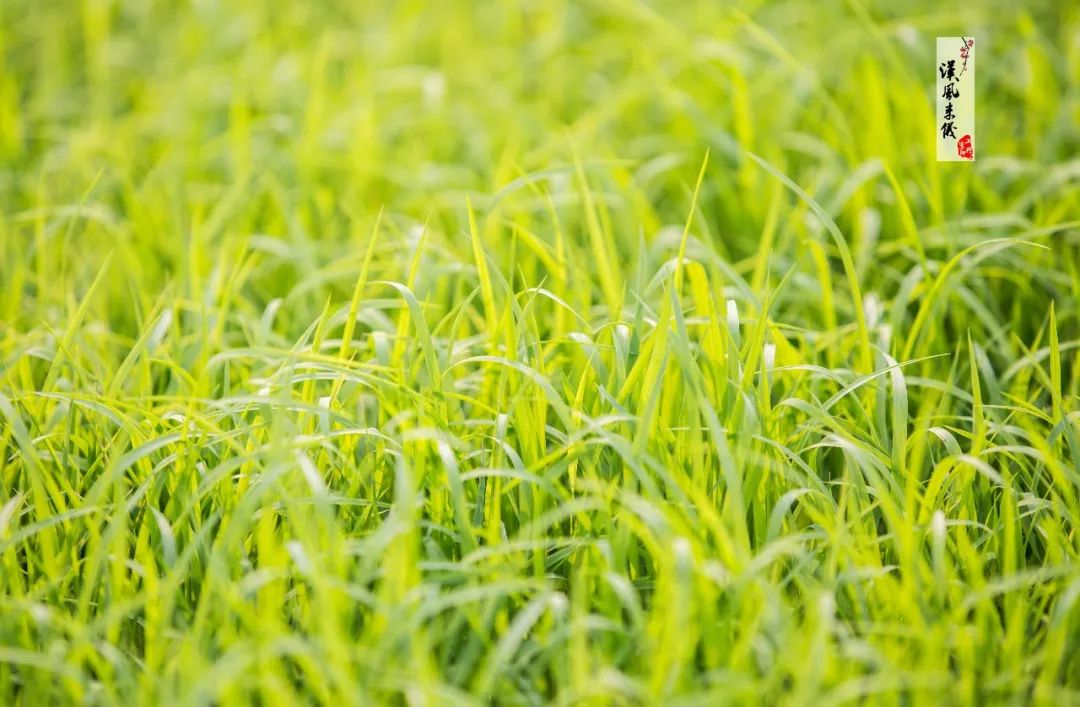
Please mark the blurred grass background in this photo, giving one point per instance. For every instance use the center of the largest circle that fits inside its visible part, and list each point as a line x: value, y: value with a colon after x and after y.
x: 192, y: 120
x: 548, y: 462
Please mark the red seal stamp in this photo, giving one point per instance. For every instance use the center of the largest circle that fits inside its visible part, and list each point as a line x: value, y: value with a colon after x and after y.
x: 964, y: 148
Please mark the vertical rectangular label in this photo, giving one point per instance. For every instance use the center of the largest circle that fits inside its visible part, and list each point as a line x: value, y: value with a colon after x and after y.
x: 955, y: 73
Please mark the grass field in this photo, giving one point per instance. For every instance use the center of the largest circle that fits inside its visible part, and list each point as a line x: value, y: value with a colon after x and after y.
x: 600, y: 352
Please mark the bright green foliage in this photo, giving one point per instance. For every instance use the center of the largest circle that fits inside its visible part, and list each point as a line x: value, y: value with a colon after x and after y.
x: 590, y: 352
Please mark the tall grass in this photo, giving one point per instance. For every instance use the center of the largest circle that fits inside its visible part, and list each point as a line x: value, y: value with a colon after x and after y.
x: 598, y: 352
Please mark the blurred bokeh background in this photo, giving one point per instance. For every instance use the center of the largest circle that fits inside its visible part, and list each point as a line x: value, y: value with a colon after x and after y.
x: 169, y: 125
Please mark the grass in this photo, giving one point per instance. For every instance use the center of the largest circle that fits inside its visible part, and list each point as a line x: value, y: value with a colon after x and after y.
x: 586, y: 353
